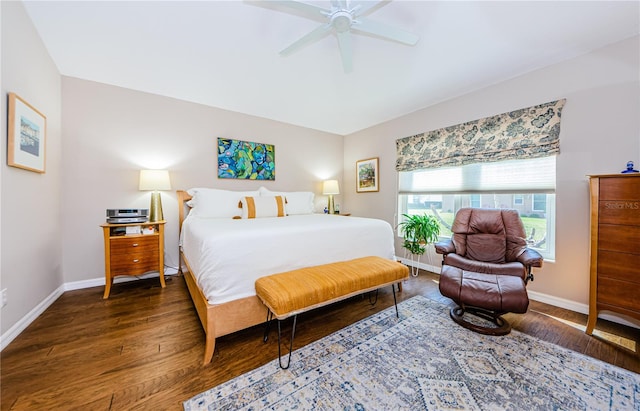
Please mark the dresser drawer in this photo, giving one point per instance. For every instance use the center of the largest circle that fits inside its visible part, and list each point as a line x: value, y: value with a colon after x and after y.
x: 620, y: 188
x: 623, y: 266
x: 621, y: 238
x: 623, y: 212
x: 623, y: 294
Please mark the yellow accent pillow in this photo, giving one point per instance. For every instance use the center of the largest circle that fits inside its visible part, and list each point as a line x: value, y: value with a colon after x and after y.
x: 258, y: 207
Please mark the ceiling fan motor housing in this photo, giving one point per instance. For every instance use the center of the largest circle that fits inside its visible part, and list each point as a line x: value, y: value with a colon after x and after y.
x: 341, y: 20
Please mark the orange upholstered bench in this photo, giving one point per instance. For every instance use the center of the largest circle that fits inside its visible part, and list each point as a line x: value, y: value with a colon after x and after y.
x: 294, y: 292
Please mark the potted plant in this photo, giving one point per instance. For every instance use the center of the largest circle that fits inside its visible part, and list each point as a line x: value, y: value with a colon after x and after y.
x: 418, y: 230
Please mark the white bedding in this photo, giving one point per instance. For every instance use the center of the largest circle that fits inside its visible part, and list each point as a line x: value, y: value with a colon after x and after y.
x: 227, y: 255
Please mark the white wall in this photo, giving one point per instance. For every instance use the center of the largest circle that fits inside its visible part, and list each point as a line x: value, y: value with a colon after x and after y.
x: 110, y: 133
x: 31, y: 266
x: 600, y: 132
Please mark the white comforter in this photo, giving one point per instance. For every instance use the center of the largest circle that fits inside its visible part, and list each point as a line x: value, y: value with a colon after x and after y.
x: 227, y: 256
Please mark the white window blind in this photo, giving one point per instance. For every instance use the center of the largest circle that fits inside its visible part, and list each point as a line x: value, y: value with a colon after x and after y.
x: 537, y: 175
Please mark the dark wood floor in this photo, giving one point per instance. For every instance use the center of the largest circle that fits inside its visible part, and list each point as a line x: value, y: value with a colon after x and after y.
x: 142, y: 348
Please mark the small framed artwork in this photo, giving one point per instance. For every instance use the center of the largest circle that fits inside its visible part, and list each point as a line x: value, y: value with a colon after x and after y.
x: 367, y: 175
x: 26, y: 137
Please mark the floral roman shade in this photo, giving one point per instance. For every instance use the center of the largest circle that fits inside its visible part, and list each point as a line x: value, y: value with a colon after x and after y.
x: 526, y: 133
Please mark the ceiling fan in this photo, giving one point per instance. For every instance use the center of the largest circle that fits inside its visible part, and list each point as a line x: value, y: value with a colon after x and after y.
x: 342, y: 19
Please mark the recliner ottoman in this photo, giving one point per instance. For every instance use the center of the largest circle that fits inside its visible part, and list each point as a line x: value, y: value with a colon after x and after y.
x: 496, y: 294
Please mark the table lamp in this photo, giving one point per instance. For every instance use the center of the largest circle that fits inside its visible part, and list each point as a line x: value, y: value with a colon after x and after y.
x: 155, y: 180
x: 330, y: 187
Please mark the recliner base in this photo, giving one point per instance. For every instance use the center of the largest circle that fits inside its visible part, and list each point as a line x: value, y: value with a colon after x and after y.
x: 503, y: 326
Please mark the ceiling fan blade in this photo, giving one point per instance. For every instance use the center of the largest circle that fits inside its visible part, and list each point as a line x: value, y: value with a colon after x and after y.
x: 309, y: 38
x: 365, y: 25
x: 293, y: 7
x: 366, y: 8
x: 346, y: 51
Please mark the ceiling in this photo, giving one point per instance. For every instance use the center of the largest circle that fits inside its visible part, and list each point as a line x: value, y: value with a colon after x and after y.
x: 225, y: 54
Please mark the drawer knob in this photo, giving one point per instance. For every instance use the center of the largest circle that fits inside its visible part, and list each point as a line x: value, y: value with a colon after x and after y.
x: 135, y: 244
x: 136, y: 260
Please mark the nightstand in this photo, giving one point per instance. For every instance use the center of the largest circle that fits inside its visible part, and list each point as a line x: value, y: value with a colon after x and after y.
x: 132, y: 254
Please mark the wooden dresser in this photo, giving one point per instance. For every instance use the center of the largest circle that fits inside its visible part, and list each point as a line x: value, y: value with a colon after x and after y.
x: 615, y: 246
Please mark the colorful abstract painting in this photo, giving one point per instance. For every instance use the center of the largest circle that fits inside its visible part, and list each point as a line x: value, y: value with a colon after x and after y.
x: 246, y: 160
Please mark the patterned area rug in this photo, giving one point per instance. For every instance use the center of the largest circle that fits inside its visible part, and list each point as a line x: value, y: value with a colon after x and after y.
x: 426, y: 362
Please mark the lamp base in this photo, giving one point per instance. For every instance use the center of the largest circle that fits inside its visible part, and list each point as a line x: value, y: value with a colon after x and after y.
x: 155, y: 210
x: 331, y: 205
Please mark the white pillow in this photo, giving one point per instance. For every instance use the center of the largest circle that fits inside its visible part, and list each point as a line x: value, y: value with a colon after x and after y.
x: 258, y: 207
x: 215, y: 203
x: 297, y: 202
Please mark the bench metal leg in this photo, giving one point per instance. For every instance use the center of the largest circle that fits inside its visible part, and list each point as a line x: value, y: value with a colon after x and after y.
x: 395, y: 302
x: 268, y: 326
x: 293, y: 332
x: 375, y: 300
x: 270, y: 319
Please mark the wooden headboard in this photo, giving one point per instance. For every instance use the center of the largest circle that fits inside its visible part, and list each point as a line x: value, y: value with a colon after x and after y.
x: 183, y: 207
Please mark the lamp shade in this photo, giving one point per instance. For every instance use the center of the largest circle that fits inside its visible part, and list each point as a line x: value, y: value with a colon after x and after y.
x: 330, y: 187
x: 154, y: 180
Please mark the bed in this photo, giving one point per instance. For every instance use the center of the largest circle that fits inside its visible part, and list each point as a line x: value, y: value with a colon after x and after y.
x: 228, y: 239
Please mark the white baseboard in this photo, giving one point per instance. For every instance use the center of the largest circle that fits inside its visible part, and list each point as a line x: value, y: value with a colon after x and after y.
x: 25, y: 321
x: 559, y: 302
x: 99, y: 282
x: 422, y: 266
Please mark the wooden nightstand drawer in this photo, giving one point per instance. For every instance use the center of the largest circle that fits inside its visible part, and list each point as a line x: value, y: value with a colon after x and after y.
x: 134, y: 263
x: 137, y: 244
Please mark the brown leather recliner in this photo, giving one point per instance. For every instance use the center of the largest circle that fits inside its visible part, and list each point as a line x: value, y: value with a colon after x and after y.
x: 486, y: 266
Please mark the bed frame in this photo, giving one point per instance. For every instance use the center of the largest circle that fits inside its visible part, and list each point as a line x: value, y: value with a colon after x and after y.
x: 217, y: 319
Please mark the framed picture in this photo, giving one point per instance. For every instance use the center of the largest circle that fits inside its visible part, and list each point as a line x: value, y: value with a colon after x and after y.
x: 246, y: 160
x: 26, y: 137
x: 367, y: 175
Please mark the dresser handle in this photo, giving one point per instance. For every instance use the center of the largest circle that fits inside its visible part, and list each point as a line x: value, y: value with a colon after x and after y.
x: 135, y: 244
x: 136, y: 260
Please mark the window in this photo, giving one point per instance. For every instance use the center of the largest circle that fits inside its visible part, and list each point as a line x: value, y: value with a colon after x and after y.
x: 526, y: 185
x: 518, y: 199
x: 540, y: 202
